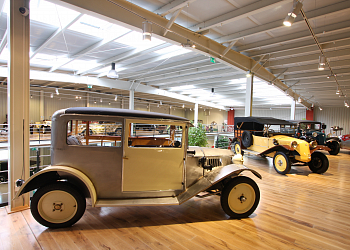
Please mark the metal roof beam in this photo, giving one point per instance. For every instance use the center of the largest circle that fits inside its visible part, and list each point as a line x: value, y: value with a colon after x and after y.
x: 172, y: 6
x: 172, y: 20
x: 337, y: 8
x: 108, y: 83
x: 238, y: 14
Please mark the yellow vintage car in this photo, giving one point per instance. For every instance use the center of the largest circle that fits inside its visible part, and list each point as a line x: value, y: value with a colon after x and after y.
x: 272, y: 137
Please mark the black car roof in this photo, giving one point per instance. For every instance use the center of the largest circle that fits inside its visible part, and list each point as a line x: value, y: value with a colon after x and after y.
x: 304, y: 121
x: 121, y: 112
x: 257, y: 123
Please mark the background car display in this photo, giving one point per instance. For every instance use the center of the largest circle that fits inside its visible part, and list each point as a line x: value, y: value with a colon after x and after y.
x: 272, y: 137
x: 345, y: 141
x: 137, y: 167
x: 313, y: 130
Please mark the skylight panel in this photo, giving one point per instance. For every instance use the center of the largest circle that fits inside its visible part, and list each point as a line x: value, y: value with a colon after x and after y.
x: 48, y: 60
x: 134, y: 39
x: 45, y: 12
x: 81, y: 65
x: 182, y: 88
x: 97, y: 27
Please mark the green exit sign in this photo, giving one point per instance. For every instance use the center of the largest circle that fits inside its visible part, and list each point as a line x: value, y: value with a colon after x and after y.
x: 212, y: 59
x: 89, y: 86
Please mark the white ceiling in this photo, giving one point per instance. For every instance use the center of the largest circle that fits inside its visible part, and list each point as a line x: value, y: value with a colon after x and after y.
x: 67, y: 41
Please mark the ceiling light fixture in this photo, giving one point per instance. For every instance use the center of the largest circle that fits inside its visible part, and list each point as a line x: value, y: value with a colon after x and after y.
x: 320, y: 108
x: 57, y: 93
x: 321, y: 62
x: 115, y: 98
x: 188, y: 44
x: 183, y: 105
x: 109, y: 103
x: 146, y: 31
x: 249, y: 74
x: 51, y: 95
x: 338, y: 91
x: 112, y: 73
x: 299, y: 99
x: 161, y: 103
x: 94, y: 101
x: 212, y: 94
x: 292, y: 14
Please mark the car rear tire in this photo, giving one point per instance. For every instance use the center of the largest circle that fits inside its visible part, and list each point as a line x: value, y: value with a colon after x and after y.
x: 319, y: 163
x: 247, y: 139
x: 57, y: 205
x: 240, y: 197
x: 335, y: 147
x: 281, y: 163
x: 237, y: 148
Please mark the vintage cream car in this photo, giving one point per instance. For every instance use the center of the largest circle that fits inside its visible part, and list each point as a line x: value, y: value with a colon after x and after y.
x: 272, y: 137
x: 132, y: 167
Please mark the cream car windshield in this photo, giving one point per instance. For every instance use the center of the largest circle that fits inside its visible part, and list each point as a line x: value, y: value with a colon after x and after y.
x: 94, y: 133
x: 155, y: 135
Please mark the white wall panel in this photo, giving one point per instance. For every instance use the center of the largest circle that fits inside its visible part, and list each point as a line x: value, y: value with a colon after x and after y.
x: 300, y: 114
x: 334, y: 117
x: 3, y: 104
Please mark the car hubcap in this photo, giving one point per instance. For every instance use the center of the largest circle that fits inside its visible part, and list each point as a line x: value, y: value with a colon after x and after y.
x: 57, y: 206
x: 280, y: 163
x: 241, y: 198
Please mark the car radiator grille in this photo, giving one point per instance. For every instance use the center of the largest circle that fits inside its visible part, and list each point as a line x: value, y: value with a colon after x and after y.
x: 214, y: 162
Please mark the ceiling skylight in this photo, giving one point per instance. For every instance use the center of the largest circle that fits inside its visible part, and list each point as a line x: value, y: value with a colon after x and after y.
x: 81, y: 65
x: 97, y: 27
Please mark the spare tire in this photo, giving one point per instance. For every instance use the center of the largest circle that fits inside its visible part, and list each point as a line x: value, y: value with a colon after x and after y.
x: 247, y: 139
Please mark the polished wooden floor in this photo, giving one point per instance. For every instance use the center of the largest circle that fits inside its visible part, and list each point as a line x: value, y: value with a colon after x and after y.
x: 298, y: 211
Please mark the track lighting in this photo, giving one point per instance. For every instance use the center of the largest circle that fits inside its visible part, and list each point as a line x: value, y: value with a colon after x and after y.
x: 338, y: 91
x: 249, y: 74
x: 290, y: 18
x: 100, y: 99
x: 299, y: 100
x: 321, y: 62
x: 188, y: 44
x: 346, y: 104
x: 320, y: 108
x: 183, y: 105
x: 57, y: 93
x: 161, y: 103
x: 112, y: 73
x: 94, y: 101
x: 109, y: 103
x: 115, y: 98
x: 146, y: 31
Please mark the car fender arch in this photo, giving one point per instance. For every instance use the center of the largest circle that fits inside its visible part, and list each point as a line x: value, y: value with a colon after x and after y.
x: 50, y: 174
x: 213, y: 177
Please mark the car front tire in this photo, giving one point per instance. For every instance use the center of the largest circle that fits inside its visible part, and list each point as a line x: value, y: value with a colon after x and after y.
x: 240, y: 197
x: 57, y: 205
x: 281, y: 163
x: 319, y: 163
x: 237, y: 148
x: 335, y: 148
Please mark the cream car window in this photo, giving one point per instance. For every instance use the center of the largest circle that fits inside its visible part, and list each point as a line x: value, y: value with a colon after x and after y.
x: 94, y: 133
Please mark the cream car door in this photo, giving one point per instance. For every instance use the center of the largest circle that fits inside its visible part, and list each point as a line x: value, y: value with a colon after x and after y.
x: 153, y: 157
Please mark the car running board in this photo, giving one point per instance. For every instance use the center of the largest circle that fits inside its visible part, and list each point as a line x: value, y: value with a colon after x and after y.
x: 137, y: 202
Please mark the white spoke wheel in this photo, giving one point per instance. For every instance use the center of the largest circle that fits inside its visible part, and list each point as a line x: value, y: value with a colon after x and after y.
x: 281, y: 163
x: 240, y: 197
x: 57, y: 205
x: 319, y: 163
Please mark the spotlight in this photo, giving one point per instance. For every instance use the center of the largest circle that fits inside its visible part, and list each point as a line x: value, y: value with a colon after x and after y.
x: 249, y: 74
x: 57, y: 93
x: 320, y: 108
x: 146, y: 31
x: 115, y: 98
x: 100, y: 99
x: 299, y: 100
x: 290, y: 18
x: 112, y: 73
x: 51, y: 95
x: 322, y: 62
x: 338, y: 91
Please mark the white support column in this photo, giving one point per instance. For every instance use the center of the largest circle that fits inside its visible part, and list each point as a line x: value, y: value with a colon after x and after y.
x: 41, y: 105
x: 195, y: 114
x: 18, y: 102
x: 131, y: 99
x: 249, y: 96
x: 292, y: 110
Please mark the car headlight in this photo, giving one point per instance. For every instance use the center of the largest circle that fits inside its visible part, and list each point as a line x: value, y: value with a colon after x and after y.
x: 314, y: 134
x: 294, y: 144
x: 313, y: 144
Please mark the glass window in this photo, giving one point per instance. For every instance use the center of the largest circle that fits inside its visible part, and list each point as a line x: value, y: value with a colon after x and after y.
x: 155, y: 135
x: 94, y: 133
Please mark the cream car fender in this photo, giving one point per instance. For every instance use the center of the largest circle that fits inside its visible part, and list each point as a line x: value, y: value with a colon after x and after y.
x: 50, y: 173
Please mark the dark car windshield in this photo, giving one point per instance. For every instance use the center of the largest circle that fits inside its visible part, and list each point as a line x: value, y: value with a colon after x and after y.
x: 310, y: 126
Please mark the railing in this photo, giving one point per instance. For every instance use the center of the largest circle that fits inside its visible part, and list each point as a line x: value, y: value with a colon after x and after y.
x: 37, y: 132
x: 39, y: 158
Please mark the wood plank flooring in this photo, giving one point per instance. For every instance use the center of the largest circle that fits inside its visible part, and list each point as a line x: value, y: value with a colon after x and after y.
x: 301, y: 210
